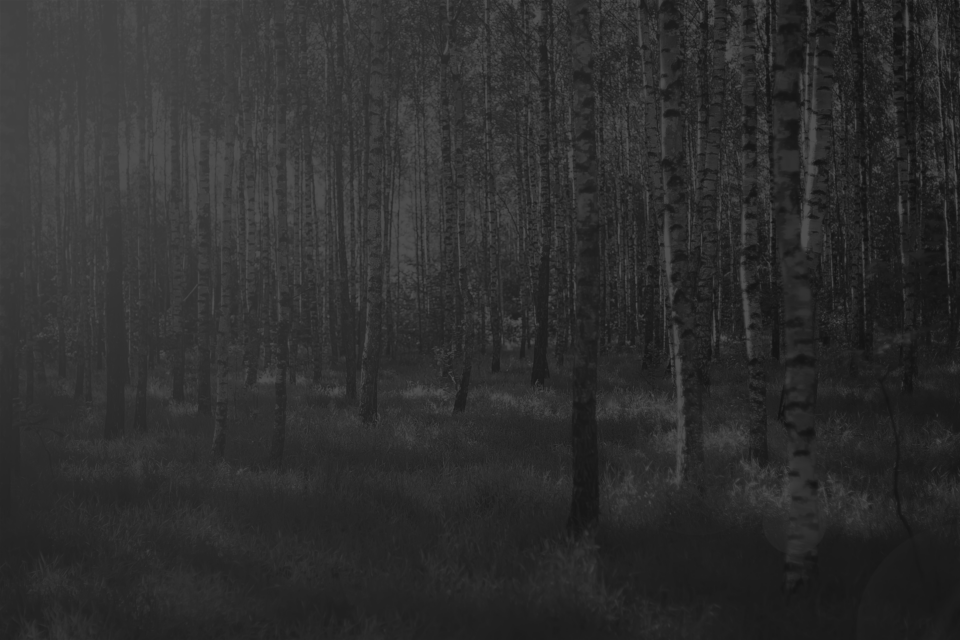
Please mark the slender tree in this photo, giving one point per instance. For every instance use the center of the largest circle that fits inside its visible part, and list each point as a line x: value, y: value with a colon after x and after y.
x: 227, y: 253
x: 585, y: 505
x: 178, y: 215
x: 283, y: 238
x: 800, y: 375
x: 750, y: 252
x: 204, y: 297
x: 540, y: 370
x: 675, y: 248
x: 115, y: 331
x: 373, y: 240
x: 143, y: 216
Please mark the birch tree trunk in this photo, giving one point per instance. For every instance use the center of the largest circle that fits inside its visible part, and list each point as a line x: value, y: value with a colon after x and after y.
x: 585, y: 504
x: 178, y: 213
x: 373, y: 238
x: 203, y: 222
x: 540, y: 370
x: 283, y: 239
x: 676, y: 253
x: 227, y: 253
x: 113, y: 287
x: 750, y: 251
x: 800, y: 375
x: 708, y: 204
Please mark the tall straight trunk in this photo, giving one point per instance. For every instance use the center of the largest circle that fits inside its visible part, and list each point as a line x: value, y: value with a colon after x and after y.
x: 283, y: 239
x: 373, y: 238
x: 948, y: 183
x: 203, y: 222
x: 178, y: 215
x: 709, y: 201
x: 905, y: 212
x: 143, y: 208
x: 749, y: 240
x: 81, y: 284
x: 819, y: 147
x: 676, y: 253
x: 800, y: 375
x: 654, y: 173
x: 540, y: 370
x: 495, y: 291
x: 251, y: 352
x: 227, y: 240
x: 585, y: 504
x: 14, y: 198
x: 310, y: 279
x: 860, y: 286
x: 347, y: 322
x: 448, y: 188
x: 113, y: 287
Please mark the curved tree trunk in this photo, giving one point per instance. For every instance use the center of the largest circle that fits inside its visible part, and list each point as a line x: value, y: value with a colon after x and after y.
x: 585, y: 504
x: 800, y: 375
x: 750, y: 254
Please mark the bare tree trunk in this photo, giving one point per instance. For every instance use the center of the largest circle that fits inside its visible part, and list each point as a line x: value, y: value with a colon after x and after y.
x: 585, y: 504
x: 145, y: 205
x: 496, y: 292
x: 800, y: 376
x: 373, y: 240
x: 227, y: 240
x: 203, y: 222
x: 750, y: 253
x: 251, y: 354
x: 283, y: 239
x: 178, y: 214
x: 113, y: 289
x: 676, y: 253
x: 540, y: 370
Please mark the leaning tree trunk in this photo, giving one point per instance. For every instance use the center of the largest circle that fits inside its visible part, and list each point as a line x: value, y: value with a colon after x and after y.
x: 800, y: 374
x: 585, y: 504
x: 227, y: 253
x: 540, y: 370
x: 750, y: 253
x: 679, y: 282
x: 113, y: 287
x: 283, y: 239
x: 373, y: 239
x: 203, y: 222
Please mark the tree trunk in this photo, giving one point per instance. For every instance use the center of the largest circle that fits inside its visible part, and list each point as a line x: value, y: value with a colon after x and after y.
x: 750, y: 252
x: 283, y: 239
x: 227, y: 253
x: 203, y: 222
x: 178, y: 214
x: 585, y: 504
x: 251, y: 353
x: 540, y: 370
x: 676, y: 253
x: 800, y: 375
x: 495, y: 292
x: 144, y: 205
x: 373, y: 238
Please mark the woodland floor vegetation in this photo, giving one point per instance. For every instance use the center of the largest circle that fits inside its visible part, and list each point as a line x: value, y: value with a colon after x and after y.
x: 429, y: 525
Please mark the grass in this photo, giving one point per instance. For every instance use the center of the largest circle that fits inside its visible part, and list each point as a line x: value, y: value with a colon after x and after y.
x: 429, y: 525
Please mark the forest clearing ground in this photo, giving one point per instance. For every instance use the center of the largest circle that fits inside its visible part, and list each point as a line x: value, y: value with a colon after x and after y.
x: 434, y: 526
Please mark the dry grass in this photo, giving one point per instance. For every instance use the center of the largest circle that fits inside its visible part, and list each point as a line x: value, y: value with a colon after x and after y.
x: 434, y: 526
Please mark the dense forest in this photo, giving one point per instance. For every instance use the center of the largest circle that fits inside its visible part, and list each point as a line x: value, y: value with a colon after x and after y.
x: 479, y: 319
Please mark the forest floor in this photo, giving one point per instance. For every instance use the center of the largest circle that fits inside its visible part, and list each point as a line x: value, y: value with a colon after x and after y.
x: 429, y: 525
